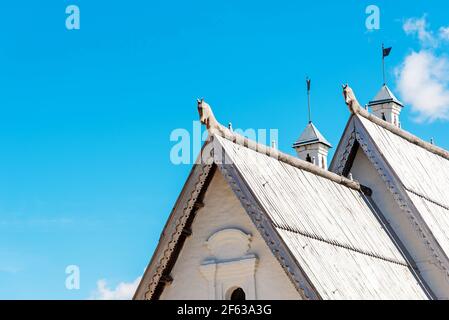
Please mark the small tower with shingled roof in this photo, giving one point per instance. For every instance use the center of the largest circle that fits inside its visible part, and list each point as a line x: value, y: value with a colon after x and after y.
x: 311, y: 145
x: 386, y: 106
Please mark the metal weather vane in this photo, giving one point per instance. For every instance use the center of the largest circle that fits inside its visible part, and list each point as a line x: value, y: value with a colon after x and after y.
x: 385, y: 53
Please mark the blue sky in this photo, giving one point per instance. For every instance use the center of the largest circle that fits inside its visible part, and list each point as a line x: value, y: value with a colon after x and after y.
x: 86, y: 115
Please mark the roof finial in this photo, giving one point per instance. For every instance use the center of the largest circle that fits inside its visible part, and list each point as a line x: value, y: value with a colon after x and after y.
x: 432, y: 141
x: 230, y: 126
x: 206, y: 115
x: 350, y: 99
x: 208, y: 119
x: 308, y: 99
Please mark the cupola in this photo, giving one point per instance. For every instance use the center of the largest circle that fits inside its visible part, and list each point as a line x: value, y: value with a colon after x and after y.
x: 311, y: 146
x: 386, y: 106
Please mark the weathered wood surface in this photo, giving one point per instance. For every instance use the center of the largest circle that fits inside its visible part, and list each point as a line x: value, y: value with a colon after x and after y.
x: 329, y: 228
x: 403, y: 134
x: 424, y: 174
x: 344, y: 274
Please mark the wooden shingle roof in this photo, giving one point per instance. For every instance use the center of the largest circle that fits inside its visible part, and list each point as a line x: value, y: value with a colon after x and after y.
x: 333, y: 232
x: 423, y: 173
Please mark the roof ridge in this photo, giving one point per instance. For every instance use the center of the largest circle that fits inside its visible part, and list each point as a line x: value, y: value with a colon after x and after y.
x: 404, y: 134
x: 214, y: 127
x: 288, y: 159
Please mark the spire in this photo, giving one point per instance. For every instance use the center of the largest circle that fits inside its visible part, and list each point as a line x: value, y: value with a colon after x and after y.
x: 311, y: 135
x: 385, y: 105
x: 385, y: 96
x: 311, y: 145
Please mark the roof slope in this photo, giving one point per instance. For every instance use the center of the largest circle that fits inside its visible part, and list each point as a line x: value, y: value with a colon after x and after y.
x: 424, y: 175
x: 331, y: 230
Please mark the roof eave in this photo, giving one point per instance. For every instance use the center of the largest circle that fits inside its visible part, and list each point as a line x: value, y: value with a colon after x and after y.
x: 378, y: 102
x: 310, y: 142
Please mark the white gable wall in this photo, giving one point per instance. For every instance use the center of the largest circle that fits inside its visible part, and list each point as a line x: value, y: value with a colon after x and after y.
x: 365, y: 173
x: 257, y: 271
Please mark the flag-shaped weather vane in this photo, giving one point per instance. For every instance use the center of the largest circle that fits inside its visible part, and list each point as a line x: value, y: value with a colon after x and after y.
x: 385, y: 53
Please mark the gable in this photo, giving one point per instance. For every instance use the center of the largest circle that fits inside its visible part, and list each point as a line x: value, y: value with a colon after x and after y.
x: 222, y: 211
x: 322, y: 229
x: 424, y: 175
x: 421, y: 258
x: 400, y: 166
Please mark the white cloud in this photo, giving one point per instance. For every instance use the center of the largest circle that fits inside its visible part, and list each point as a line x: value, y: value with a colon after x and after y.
x: 123, y: 291
x: 444, y: 33
x: 423, y: 76
x: 420, y: 27
x: 422, y: 81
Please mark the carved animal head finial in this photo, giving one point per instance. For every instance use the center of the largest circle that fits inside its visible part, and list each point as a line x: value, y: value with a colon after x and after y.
x: 350, y: 99
x: 206, y: 115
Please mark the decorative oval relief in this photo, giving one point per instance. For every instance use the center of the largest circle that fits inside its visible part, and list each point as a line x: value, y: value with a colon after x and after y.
x: 229, y: 244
